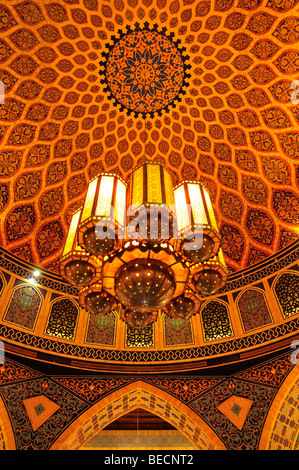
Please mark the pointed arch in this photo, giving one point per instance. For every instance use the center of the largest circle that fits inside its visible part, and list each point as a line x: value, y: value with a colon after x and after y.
x: 62, y: 319
x: 139, y: 395
x: 211, y: 313
x: 24, y: 306
x: 285, y: 288
x: 282, y: 423
x: 253, y: 309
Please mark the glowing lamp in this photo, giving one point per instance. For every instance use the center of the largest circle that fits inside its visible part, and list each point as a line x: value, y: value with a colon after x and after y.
x: 136, y: 319
x: 151, y: 196
x: 144, y: 284
x: 77, y: 266
x: 195, y: 222
x: 103, y: 217
x: 181, y: 308
x: 211, y: 276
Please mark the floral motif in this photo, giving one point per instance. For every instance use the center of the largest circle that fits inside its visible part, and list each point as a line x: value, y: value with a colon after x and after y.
x: 290, y: 144
x: 231, y: 206
x: 276, y: 118
x: 51, y: 202
x: 27, y: 185
x: 260, y: 226
x: 276, y: 170
x: 255, y: 190
x: 288, y: 30
x: 49, y: 238
x: 5, y: 51
x: 232, y: 242
x: 145, y: 71
x: 24, y: 39
x: 24, y: 65
x: 22, y: 134
x: 20, y: 222
x: 4, y: 195
x: 29, y: 12
x: 286, y: 206
x: 7, y: 20
x: 288, y: 62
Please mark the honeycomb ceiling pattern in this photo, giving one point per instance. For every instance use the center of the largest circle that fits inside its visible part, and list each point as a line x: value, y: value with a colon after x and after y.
x: 232, y: 125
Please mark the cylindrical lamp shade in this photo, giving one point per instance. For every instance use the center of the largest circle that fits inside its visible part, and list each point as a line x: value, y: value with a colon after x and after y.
x: 151, y: 196
x: 195, y: 221
x: 151, y: 184
x: 77, y: 266
x: 103, y: 216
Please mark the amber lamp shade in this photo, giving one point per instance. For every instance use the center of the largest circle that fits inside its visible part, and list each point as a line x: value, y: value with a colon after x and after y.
x: 181, y: 308
x: 194, y: 214
x: 79, y: 273
x: 208, y: 282
x: 98, y: 303
x: 104, y: 209
x: 136, y: 319
x: 145, y: 285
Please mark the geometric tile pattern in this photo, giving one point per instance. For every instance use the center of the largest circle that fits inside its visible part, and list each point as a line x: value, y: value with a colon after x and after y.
x: 235, y: 127
x: 39, y: 409
x: 236, y: 409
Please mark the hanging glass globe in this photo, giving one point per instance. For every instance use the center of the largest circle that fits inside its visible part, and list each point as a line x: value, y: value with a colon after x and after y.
x: 181, y: 308
x: 137, y: 319
x: 79, y: 273
x: 208, y: 282
x: 97, y: 246
x: 145, y: 284
x: 98, y: 303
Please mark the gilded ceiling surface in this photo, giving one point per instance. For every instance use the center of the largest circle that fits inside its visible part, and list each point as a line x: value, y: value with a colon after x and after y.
x: 96, y: 84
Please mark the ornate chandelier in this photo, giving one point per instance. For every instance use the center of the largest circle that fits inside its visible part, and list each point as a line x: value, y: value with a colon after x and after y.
x: 144, y: 248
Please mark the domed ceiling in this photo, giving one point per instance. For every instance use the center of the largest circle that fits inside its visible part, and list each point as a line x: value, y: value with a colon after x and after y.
x: 206, y: 85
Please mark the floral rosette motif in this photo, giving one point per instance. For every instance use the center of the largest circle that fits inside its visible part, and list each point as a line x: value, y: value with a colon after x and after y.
x: 145, y: 71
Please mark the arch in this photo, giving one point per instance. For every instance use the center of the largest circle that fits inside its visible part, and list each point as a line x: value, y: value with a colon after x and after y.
x: 282, y: 423
x: 211, y: 313
x: 101, y: 329
x: 285, y: 293
x: 63, y: 318
x: 256, y: 315
x: 139, y: 395
x: 7, y: 440
x: 24, y: 306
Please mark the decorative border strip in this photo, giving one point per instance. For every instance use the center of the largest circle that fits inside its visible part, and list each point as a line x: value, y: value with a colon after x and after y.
x: 147, y: 356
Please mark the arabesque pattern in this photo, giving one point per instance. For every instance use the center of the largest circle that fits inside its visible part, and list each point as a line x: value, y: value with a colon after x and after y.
x: 235, y: 127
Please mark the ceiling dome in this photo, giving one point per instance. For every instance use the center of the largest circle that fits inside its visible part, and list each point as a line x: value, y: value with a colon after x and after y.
x: 229, y: 119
